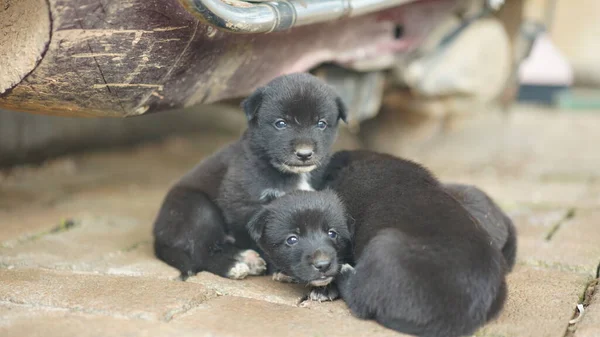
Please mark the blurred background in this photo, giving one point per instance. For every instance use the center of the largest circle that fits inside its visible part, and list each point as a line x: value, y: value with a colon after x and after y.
x: 433, y: 62
x: 454, y: 60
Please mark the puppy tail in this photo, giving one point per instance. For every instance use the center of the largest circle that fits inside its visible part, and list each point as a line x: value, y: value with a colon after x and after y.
x: 176, y: 257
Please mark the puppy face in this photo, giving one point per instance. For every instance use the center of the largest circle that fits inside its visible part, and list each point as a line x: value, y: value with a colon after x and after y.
x: 293, y: 121
x: 304, y: 234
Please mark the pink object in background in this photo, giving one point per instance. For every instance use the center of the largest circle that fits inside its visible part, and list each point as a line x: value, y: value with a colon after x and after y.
x: 546, y: 65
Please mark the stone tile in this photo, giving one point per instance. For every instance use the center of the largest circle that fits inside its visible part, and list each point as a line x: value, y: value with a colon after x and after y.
x: 572, y: 247
x: 111, y: 226
x: 18, y: 320
x: 128, y: 200
x: 591, y: 197
x: 153, y: 164
x: 530, y: 142
x: 513, y: 193
x: 540, y: 303
x: 100, y: 294
x: 35, y: 221
x: 236, y: 316
x: 256, y: 287
x: 579, y: 238
x: 139, y: 260
x: 91, y: 238
x: 265, y: 289
x: 589, y: 325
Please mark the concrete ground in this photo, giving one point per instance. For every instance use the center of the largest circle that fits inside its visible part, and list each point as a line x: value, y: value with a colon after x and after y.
x: 76, y: 255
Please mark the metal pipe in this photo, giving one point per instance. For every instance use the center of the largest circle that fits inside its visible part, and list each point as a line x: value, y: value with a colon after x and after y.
x: 270, y: 16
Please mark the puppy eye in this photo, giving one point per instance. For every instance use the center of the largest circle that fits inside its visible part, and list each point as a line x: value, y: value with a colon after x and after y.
x: 321, y: 124
x: 280, y: 124
x: 291, y: 240
x: 332, y: 234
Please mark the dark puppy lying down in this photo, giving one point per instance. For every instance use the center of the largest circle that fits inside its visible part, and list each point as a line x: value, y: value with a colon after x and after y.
x: 423, y: 264
x: 489, y: 215
x: 202, y: 222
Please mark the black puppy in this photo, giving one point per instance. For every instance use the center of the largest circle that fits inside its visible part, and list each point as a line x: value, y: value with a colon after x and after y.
x: 489, y: 215
x: 201, y: 225
x: 304, y: 235
x: 424, y: 265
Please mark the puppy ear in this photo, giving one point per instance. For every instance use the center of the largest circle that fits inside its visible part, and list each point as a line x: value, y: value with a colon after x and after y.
x: 256, y: 225
x: 342, y: 109
x: 252, y: 103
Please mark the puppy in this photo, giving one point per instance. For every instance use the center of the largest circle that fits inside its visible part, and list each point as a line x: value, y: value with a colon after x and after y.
x: 292, y: 124
x: 423, y: 264
x: 304, y: 235
x: 489, y: 215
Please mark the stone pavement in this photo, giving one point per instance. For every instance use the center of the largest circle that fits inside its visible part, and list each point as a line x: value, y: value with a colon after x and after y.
x: 76, y: 256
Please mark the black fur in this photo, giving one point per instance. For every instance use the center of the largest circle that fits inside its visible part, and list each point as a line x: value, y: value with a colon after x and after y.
x: 309, y: 216
x: 424, y: 265
x: 209, y: 207
x: 489, y: 215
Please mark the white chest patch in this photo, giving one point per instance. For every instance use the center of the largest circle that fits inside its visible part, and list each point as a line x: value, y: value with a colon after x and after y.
x: 303, y: 183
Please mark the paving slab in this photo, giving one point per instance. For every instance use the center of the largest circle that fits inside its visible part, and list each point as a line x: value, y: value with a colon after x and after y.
x: 591, y: 197
x: 512, y: 193
x: 150, y: 164
x: 19, y: 320
x: 255, y: 287
x: 265, y: 289
x: 91, y: 238
x: 137, y: 260
x: 540, y: 303
x: 529, y: 142
x: 579, y: 238
x: 237, y: 316
x: 562, y: 239
x: 118, y: 296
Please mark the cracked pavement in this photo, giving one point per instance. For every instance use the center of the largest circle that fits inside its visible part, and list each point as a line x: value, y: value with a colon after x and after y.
x: 76, y: 254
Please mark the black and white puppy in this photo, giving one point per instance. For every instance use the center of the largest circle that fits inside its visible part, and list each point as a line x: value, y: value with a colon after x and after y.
x: 292, y: 124
x: 423, y: 264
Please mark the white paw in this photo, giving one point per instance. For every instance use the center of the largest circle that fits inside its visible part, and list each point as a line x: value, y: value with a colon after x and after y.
x: 256, y: 265
x: 239, y: 271
x: 270, y: 194
x: 346, y: 268
x: 281, y: 277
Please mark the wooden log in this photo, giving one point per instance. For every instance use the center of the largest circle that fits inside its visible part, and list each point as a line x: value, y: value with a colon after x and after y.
x: 129, y: 57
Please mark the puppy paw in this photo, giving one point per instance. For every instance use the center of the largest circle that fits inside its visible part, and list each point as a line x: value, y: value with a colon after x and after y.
x: 281, y: 277
x: 239, y: 271
x: 345, y: 272
x: 270, y: 194
x: 321, y: 294
x: 256, y: 265
x: 347, y: 269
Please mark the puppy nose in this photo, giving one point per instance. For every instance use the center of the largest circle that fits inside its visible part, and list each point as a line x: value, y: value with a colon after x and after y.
x: 322, y: 264
x: 304, y: 153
